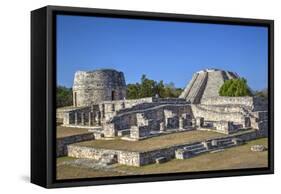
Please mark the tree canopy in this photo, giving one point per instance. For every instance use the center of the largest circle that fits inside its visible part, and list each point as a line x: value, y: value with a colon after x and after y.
x: 64, y: 96
x: 235, y: 87
x: 149, y: 88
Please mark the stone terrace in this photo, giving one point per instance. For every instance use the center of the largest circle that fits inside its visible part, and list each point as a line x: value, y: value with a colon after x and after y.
x: 152, y: 143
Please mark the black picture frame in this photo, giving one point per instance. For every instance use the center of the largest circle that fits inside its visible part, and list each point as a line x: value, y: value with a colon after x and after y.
x: 43, y: 90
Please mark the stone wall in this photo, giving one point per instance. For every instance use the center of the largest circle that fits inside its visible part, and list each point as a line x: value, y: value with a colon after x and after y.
x: 217, y: 116
x: 60, y: 112
x: 88, y: 152
x: 123, y: 157
x: 255, y: 103
x: 63, y: 142
x: 129, y: 158
x: 226, y: 127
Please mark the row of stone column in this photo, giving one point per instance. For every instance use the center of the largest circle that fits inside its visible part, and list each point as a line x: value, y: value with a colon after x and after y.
x: 163, y: 125
x: 93, y: 117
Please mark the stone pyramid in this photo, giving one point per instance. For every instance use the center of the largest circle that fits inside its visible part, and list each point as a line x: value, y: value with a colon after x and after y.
x: 206, y: 84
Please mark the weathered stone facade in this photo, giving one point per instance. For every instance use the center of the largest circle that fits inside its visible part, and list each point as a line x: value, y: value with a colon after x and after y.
x: 93, y: 87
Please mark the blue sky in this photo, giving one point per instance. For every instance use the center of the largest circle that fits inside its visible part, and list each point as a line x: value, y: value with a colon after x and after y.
x: 169, y: 51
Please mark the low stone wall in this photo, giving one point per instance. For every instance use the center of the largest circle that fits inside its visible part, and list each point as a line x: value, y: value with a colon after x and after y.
x: 88, y: 152
x: 129, y: 158
x: 223, y: 108
x: 123, y: 157
x: 121, y: 104
x: 217, y: 116
x: 149, y: 157
x: 256, y: 103
x: 63, y: 142
x: 60, y: 112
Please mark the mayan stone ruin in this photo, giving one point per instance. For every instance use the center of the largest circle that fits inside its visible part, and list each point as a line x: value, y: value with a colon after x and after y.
x: 93, y: 87
x: 100, y: 105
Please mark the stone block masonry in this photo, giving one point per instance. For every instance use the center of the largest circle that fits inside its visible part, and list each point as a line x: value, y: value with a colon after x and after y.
x: 93, y: 87
x: 63, y: 142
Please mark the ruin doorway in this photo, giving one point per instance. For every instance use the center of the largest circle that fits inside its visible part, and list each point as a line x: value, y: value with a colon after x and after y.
x: 112, y: 95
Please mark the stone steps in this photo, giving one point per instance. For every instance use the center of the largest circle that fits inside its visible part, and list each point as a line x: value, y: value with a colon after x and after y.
x: 196, y: 87
x: 200, y: 148
x: 189, y: 86
x: 108, y: 159
x: 199, y: 151
x: 199, y: 145
x: 196, y: 149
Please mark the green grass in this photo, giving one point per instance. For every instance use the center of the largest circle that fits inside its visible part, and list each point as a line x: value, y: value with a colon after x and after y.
x: 233, y: 158
x: 154, y: 142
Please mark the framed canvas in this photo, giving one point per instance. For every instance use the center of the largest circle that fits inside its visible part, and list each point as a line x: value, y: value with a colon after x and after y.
x: 126, y: 96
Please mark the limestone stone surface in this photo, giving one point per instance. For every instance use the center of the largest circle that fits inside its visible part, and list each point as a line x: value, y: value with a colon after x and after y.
x: 92, y: 87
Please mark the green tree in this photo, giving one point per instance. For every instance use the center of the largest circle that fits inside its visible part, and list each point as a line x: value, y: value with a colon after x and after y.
x: 64, y: 96
x: 150, y: 88
x: 235, y: 87
x: 133, y: 91
x: 147, y: 87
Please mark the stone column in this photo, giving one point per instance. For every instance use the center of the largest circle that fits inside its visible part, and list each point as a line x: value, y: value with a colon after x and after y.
x: 66, y: 118
x: 180, y: 123
x: 99, y: 118
x: 90, y: 118
x: 247, y: 122
x: 76, y: 118
x: 206, y: 144
x: 109, y: 130
x: 166, y: 122
x: 96, y: 117
x: 123, y: 104
x: 82, y: 118
x: 162, y: 126
x: 199, y: 122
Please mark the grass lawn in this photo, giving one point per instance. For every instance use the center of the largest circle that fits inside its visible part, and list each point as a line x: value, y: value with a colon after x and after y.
x: 232, y: 158
x: 69, y: 131
x: 154, y: 142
